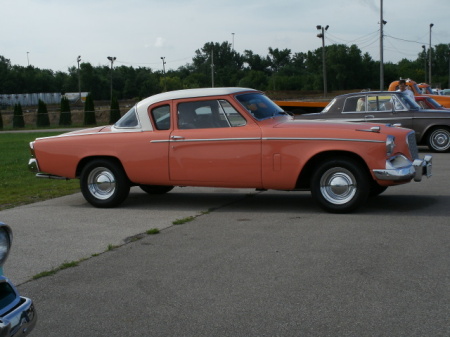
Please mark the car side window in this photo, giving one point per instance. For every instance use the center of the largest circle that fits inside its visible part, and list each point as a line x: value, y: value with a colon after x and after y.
x: 208, y: 114
x: 356, y: 103
x: 161, y: 117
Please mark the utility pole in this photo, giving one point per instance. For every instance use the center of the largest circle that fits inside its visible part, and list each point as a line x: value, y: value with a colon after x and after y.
x: 112, y: 59
x: 429, y: 60
x: 382, y: 23
x: 79, y: 79
x: 324, y: 65
x: 212, y: 67
x: 163, y: 58
x: 425, y: 59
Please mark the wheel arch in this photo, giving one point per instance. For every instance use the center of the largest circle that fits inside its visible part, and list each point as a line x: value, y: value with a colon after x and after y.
x: 304, y: 179
x: 83, y: 162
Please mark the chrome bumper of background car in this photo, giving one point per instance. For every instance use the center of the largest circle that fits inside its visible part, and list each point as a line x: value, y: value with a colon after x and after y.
x: 20, y: 321
x: 400, y: 168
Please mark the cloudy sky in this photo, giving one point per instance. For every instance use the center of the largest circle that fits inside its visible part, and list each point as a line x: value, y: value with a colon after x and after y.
x: 50, y: 34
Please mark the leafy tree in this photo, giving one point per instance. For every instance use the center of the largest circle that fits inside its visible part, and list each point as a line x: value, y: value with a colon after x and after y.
x: 114, y: 113
x: 89, y: 111
x: 42, y: 115
x: 1, y: 121
x: 18, y: 121
x: 65, y: 117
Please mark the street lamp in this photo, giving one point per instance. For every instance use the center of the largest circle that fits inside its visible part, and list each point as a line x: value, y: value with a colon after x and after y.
x: 111, y: 59
x: 28, y: 59
x: 429, y: 60
x: 322, y: 36
x: 425, y: 63
x: 232, y: 45
x: 382, y: 23
x: 79, y: 79
x: 163, y: 58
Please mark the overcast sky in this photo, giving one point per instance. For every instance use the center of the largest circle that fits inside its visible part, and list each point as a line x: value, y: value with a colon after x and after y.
x: 50, y: 34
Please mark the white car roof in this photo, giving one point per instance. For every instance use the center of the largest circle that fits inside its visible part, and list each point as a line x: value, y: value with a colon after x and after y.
x: 141, y: 107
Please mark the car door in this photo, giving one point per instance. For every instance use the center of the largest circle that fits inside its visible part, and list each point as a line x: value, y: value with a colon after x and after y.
x: 212, y: 144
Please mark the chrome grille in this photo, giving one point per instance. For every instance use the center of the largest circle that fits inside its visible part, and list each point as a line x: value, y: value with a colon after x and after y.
x: 411, y: 139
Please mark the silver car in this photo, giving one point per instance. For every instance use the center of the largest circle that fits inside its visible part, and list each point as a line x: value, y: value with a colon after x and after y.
x: 432, y: 127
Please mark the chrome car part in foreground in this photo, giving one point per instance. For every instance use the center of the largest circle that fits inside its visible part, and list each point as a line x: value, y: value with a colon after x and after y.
x: 17, y: 314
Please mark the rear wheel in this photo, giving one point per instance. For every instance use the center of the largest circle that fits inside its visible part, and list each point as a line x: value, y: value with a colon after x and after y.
x: 156, y: 189
x: 340, y: 185
x: 439, y: 139
x: 104, y: 183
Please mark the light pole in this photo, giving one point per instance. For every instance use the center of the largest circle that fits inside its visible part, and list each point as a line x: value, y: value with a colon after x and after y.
x: 322, y: 36
x: 112, y: 59
x: 28, y: 59
x: 449, y: 69
x: 429, y: 60
x: 425, y: 61
x: 232, y: 45
x: 382, y: 23
x: 79, y: 78
x: 163, y: 58
x: 212, y: 67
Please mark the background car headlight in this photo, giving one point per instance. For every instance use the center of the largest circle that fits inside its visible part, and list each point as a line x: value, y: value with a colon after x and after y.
x: 5, y: 242
x: 390, y: 145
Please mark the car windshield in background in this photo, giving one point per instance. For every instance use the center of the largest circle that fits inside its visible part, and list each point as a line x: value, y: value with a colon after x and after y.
x: 410, y: 104
x: 260, y: 106
x: 129, y: 120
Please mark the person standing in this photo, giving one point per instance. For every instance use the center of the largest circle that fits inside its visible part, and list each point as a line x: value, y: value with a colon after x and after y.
x: 403, y: 88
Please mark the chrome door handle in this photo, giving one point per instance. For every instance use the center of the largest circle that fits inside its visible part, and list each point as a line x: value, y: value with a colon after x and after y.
x: 176, y: 137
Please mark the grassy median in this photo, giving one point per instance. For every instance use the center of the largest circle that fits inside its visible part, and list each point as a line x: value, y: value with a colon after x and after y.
x: 19, y: 186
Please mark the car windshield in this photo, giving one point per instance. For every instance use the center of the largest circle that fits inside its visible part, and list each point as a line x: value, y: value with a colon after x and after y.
x: 433, y: 102
x: 260, y: 106
x: 410, y: 104
x: 129, y: 120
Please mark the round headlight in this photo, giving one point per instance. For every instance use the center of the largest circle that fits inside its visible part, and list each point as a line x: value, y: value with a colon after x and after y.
x: 390, y: 145
x: 5, y: 242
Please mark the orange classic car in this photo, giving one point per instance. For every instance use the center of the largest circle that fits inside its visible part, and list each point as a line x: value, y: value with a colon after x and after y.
x: 230, y: 137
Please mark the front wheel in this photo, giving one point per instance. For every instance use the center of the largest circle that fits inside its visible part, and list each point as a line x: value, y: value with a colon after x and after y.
x: 340, y: 185
x: 104, y: 183
x: 439, y: 140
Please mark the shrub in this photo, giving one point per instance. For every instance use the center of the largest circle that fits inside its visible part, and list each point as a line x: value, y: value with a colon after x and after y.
x: 18, y: 121
x: 42, y: 115
x: 65, y: 117
x: 89, y: 111
x: 114, y: 114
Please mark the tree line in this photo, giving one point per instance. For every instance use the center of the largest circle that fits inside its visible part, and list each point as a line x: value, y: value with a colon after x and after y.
x: 280, y: 70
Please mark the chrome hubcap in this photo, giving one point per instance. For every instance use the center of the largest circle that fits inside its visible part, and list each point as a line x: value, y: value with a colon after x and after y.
x: 101, y: 183
x: 440, y: 140
x: 338, y: 186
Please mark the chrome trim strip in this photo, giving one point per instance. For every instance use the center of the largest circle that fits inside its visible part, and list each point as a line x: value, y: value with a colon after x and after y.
x: 327, y: 139
x: 203, y: 140
x: 266, y: 138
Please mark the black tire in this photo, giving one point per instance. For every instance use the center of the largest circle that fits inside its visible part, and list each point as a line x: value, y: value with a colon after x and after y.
x: 104, y: 183
x: 156, y: 189
x: 340, y: 185
x: 376, y: 189
x: 438, y: 139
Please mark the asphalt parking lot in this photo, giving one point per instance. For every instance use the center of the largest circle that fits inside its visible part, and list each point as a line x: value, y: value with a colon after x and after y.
x: 249, y: 264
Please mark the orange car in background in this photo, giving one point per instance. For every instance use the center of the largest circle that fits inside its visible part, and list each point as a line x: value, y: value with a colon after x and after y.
x: 414, y: 87
x: 230, y: 137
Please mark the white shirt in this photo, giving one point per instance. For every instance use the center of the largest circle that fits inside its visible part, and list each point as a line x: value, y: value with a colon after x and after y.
x: 409, y: 93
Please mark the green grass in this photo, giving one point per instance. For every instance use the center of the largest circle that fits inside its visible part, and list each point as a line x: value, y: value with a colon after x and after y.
x: 18, y: 185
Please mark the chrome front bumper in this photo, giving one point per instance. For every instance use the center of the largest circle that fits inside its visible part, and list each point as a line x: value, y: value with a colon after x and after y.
x: 20, y: 318
x: 401, y: 168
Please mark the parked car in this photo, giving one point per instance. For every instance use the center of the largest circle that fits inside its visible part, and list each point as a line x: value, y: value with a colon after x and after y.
x: 230, y: 137
x: 423, y: 90
x: 432, y: 127
x: 17, y: 314
x: 426, y: 102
